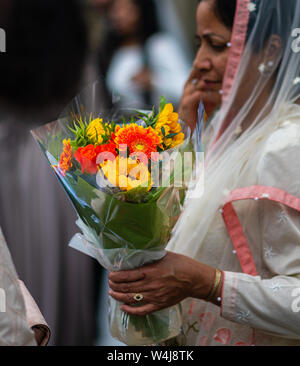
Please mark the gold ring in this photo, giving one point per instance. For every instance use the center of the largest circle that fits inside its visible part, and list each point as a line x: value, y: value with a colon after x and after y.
x: 138, y: 297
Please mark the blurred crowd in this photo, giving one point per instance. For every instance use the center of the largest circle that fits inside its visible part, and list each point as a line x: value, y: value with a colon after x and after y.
x: 138, y: 51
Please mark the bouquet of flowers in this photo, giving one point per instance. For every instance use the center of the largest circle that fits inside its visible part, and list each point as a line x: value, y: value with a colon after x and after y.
x: 126, y: 181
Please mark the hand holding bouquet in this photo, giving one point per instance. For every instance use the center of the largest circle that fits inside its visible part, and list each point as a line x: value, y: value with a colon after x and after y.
x: 127, y: 182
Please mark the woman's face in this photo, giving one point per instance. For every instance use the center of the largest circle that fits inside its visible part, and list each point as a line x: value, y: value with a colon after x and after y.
x: 211, y: 59
x: 125, y: 16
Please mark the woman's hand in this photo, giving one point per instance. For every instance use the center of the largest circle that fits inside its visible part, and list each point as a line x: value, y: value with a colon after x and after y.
x: 188, y: 107
x: 162, y: 284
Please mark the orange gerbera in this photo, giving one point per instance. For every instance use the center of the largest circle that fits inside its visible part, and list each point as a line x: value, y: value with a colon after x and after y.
x: 138, y: 139
x: 65, y: 161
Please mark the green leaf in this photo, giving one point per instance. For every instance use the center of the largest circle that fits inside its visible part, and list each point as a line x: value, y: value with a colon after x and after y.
x: 163, y: 131
x: 162, y: 103
x: 142, y: 114
x: 171, y: 135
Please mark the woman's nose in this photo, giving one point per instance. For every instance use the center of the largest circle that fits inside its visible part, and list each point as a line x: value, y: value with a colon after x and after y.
x: 202, y: 61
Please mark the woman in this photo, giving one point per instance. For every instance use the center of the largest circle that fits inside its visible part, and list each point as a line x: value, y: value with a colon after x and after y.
x: 236, y: 269
x: 206, y: 77
x: 139, y: 62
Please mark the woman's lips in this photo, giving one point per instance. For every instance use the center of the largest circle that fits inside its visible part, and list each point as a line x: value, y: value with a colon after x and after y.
x: 211, y: 83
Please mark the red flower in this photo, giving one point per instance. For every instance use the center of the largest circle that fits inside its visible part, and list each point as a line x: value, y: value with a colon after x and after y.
x: 87, y: 156
x: 107, y: 151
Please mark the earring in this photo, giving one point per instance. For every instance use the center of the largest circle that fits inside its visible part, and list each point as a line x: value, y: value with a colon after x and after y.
x: 262, y: 68
x: 266, y: 70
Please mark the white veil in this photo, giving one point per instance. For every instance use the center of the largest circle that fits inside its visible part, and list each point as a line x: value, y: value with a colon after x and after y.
x: 260, y: 91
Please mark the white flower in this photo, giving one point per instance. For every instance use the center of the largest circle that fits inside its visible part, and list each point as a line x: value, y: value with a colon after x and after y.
x: 296, y: 80
x: 275, y: 286
x: 243, y: 316
x: 282, y: 217
x: 268, y: 252
x: 252, y: 7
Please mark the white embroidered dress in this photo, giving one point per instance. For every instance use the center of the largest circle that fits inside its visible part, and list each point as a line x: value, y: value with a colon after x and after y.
x: 260, y: 303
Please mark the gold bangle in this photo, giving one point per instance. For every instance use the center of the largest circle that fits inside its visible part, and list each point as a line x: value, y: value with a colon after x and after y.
x: 218, y: 276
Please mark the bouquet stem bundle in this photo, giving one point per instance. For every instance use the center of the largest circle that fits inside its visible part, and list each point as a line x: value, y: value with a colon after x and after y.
x: 125, y: 218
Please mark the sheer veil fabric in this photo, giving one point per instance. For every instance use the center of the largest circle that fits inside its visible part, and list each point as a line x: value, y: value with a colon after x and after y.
x: 254, y: 140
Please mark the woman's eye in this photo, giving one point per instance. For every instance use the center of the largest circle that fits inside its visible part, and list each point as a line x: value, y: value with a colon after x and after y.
x: 218, y: 47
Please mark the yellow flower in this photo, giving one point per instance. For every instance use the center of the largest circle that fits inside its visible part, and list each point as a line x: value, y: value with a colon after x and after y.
x: 126, y: 173
x: 95, y: 130
x: 167, y: 124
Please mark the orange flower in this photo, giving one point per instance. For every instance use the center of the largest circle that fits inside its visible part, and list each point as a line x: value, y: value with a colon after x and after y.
x: 87, y: 156
x: 65, y: 162
x: 107, y: 151
x: 138, y: 139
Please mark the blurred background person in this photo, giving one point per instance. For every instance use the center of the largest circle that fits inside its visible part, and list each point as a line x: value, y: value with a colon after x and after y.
x: 139, y: 61
x: 40, y: 73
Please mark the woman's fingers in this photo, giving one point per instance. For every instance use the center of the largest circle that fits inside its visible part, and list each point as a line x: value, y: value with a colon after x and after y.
x: 127, y: 298
x: 194, y: 74
x: 142, y: 310
x: 126, y: 276
x: 132, y: 287
x: 188, y: 109
x: 131, y: 298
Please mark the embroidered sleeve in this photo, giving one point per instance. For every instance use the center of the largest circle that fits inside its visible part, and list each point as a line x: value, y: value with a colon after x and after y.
x: 272, y: 304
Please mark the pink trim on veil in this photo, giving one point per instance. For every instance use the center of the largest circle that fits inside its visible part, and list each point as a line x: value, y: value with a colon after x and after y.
x: 238, y: 40
x: 234, y: 226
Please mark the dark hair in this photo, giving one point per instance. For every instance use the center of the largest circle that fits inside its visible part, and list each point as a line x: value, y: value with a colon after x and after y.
x: 149, y: 23
x: 46, y: 46
x: 148, y: 27
x: 224, y: 10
